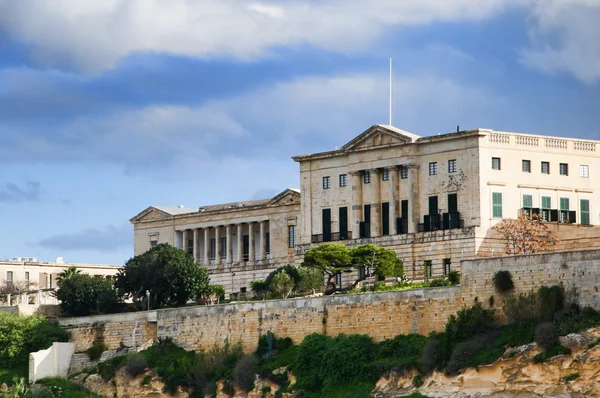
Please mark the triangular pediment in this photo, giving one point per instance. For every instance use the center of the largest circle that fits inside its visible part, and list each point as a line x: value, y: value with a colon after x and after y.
x: 380, y: 136
x: 287, y: 197
x: 151, y: 214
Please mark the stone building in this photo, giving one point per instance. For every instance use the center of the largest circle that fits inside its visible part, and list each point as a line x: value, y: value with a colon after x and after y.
x: 431, y: 199
x: 434, y: 199
x: 238, y: 242
x: 28, y: 273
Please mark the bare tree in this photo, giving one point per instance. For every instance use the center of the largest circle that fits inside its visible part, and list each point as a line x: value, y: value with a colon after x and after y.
x: 525, y: 235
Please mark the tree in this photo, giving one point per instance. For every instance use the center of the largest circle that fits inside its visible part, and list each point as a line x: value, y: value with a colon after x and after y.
x: 289, y: 269
x: 78, y: 294
x: 213, y: 293
x: 525, y: 235
x: 310, y: 279
x: 282, y: 284
x: 68, y: 273
x: 259, y: 288
x: 329, y: 258
x: 377, y: 259
x: 170, y: 275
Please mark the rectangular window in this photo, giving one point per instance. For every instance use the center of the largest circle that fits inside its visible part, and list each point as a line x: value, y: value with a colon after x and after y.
x: 584, y: 207
x: 527, y: 201
x: 326, y: 182
x: 385, y: 175
x: 9, y: 276
x: 526, y: 166
x: 190, y: 246
x: 291, y: 236
x: 497, y: 204
x: 338, y: 280
x: 153, y: 243
x: 545, y: 167
x: 366, y: 177
x: 495, y: 163
x: 27, y: 279
x: 213, y: 248
x: 343, y: 180
x: 563, y: 168
x: 447, y: 266
x: 385, y: 218
x: 428, y: 269
x: 452, y: 166
x: 584, y: 171
x: 546, y: 206
x: 268, y: 243
x: 223, y: 248
x: 564, y: 209
x: 433, y: 168
x: 404, y: 172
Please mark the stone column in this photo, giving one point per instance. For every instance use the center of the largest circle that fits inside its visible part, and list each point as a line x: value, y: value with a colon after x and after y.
x: 393, y: 198
x: 206, y: 247
x: 261, y: 241
x: 414, y: 206
x: 196, y: 242
x: 357, y: 205
x: 251, y: 241
x: 240, y: 243
x: 376, y: 203
x: 184, y: 240
x: 228, y: 238
x: 217, y: 245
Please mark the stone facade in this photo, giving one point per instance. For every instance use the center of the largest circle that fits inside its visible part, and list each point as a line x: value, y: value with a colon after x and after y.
x: 431, y: 191
x: 433, y: 200
x: 380, y: 315
x: 238, y: 242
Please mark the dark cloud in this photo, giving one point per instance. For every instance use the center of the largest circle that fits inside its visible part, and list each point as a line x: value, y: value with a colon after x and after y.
x: 104, y: 239
x: 12, y: 193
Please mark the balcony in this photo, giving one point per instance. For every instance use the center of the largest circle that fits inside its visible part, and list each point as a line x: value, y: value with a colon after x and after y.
x: 334, y: 236
x: 435, y: 222
x: 550, y: 215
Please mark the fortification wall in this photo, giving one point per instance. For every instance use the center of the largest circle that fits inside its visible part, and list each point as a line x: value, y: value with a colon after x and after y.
x: 380, y: 315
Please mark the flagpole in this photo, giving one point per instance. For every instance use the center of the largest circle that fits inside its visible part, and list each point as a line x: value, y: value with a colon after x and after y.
x: 391, y: 89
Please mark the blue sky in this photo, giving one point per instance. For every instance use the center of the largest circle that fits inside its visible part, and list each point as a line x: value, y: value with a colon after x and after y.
x: 107, y: 107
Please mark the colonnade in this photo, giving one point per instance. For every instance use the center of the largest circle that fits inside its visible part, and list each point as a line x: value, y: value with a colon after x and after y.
x: 199, y: 242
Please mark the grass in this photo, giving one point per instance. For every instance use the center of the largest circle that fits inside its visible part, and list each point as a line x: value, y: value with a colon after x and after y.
x: 17, y: 370
x: 66, y: 389
x: 414, y: 395
x: 554, y: 351
x: 571, y: 377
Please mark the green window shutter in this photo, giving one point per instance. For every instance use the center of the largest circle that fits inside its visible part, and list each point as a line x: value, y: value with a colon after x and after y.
x: 546, y: 202
x: 497, y: 204
x: 527, y: 201
x: 564, y: 204
x: 584, y: 205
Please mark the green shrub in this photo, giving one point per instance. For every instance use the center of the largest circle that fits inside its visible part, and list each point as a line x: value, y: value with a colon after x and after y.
x: 545, y: 336
x: 551, y: 300
x: 571, y: 377
x: 521, y: 308
x: 146, y: 380
x: 95, y: 351
x: 136, y: 365
x: 503, y: 282
x: 108, y: 368
x: 244, y: 371
x: 433, y: 356
x: 475, y: 351
x: 78, y: 294
x: 469, y: 322
x: 417, y: 381
x: 439, y: 282
x: 228, y: 388
x: 21, y: 334
x: 401, y: 352
x: 454, y: 277
x: 109, y: 302
x: 554, y: 351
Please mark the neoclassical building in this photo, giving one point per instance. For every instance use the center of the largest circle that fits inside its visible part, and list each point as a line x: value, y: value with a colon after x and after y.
x: 431, y: 199
x: 238, y: 242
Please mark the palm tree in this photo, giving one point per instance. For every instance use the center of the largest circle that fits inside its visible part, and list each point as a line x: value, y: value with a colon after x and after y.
x: 68, y: 273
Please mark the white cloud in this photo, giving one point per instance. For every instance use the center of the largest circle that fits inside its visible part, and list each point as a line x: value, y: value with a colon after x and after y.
x: 565, y: 37
x: 93, y: 35
x: 278, y: 121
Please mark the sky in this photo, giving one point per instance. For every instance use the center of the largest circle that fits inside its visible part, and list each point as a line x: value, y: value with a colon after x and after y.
x: 108, y: 107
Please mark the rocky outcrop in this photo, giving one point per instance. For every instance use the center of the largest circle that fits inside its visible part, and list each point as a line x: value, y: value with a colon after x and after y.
x: 515, y: 375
